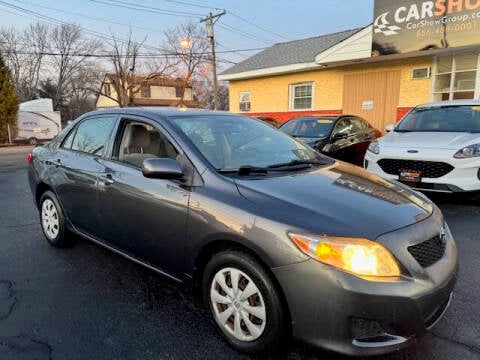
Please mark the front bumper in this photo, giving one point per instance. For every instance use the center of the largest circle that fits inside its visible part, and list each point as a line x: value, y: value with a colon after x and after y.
x: 464, y: 177
x: 344, y: 313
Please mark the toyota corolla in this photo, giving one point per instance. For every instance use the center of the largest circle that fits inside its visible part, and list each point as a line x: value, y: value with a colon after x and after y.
x: 278, y: 239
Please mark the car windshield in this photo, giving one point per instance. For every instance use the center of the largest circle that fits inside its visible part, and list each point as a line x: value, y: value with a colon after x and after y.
x: 465, y: 118
x: 232, y: 142
x: 309, y: 126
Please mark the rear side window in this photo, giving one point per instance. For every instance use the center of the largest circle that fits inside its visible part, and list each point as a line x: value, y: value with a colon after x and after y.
x: 92, y: 135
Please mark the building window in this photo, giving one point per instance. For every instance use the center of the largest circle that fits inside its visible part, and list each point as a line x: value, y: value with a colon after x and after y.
x: 301, y: 96
x: 456, y: 77
x: 145, y: 91
x: 107, y: 90
x: 244, y: 104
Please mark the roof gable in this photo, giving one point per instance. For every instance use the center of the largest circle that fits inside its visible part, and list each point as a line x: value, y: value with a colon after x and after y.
x: 292, y: 52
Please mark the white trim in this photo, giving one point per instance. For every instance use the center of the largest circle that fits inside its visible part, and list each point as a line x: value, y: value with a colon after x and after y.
x: 270, y: 71
x: 429, y: 73
x: 330, y: 56
x: 243, y: 93
x: 453, y: 74
x: 291, y: 94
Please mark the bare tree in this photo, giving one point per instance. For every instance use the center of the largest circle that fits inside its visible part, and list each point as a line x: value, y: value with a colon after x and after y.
x: 188, y: 42
x: 130, y: 71
x: 24, y: 52
x: 73, y: 52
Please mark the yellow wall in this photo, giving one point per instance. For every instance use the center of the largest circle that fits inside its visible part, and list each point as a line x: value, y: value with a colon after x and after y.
x: 270, y: 94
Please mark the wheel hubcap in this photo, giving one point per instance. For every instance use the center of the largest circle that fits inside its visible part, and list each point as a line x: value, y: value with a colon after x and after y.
x: 238, y: 304
x: 50, y: 221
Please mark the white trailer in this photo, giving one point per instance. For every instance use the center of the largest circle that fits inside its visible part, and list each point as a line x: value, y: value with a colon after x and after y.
x: 37, y: 121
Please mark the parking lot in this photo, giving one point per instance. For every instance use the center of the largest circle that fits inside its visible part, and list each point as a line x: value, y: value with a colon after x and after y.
x: 85, y: 302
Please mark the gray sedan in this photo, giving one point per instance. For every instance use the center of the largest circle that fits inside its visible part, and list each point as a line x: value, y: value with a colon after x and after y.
x: 278, y: 239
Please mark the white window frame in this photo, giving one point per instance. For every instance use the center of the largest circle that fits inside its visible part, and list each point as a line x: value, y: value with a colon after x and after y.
x: 453, y: 73
x: 240, y: 102
x: 291, y: 101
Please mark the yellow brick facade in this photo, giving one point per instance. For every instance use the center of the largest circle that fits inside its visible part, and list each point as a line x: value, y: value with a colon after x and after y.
x: 271, y: 93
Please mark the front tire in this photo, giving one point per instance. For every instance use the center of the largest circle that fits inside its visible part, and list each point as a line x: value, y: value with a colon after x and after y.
x: 52, y: 220
x: 244, y: 302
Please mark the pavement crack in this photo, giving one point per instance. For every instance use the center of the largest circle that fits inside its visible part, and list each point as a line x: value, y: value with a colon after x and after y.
x: 8, y: 300
x: 472, y: 348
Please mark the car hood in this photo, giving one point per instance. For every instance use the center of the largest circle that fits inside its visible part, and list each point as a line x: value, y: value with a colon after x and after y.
x: 429, y: 140
x: 339, y: 200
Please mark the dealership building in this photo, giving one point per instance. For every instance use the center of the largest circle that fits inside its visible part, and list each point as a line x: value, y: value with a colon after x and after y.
x: 414, y: 52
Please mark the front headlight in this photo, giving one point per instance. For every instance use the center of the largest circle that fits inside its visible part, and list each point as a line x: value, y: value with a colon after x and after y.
x: 374, y: 147
x: 468, y: 152
x: 361, y: 257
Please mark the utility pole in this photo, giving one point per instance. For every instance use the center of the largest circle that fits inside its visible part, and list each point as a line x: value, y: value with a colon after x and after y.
x: 210, y: 20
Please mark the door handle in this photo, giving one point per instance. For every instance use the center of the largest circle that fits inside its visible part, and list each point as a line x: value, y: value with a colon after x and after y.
x: 56, y: 163
x: 107, y: 179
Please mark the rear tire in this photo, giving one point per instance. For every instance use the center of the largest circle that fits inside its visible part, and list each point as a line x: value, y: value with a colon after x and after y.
x: 33, y: 141
x: 52, y: 220
x: 244, y: 302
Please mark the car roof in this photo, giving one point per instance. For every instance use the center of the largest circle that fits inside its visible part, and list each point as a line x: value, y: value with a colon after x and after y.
x: 450, y: 103
x: 159, y: 111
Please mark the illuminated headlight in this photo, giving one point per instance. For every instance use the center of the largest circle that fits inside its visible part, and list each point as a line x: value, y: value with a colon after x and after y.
x: 361, y: 257
x: 374, y: 147
x: 468, y: 152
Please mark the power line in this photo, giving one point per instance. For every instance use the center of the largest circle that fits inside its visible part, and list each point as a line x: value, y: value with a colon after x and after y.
x: 258, y: 26
x: 151, y: 9
x: 244, y: 34
x: 89, y: 17
x: 193, y: 5
x: 148, y: 9
x: 51, y: 20
x: 231, y: 13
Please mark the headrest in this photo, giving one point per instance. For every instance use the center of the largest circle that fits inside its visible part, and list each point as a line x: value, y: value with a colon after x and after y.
x: 138, y: 137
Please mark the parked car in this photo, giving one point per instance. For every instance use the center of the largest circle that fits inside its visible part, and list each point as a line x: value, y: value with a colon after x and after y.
x: 435, y: 147
x: 344, y: 137
x: 270, y: 120
x: 278, y: 238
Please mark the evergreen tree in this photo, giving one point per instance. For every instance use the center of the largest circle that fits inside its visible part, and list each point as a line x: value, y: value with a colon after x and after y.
x: 8, y: 104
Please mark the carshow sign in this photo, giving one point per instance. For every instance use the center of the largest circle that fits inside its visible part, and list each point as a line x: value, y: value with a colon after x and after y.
x: 415, y: 25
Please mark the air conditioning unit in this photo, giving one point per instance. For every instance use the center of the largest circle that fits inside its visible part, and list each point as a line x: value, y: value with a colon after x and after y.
x: 421, y: 73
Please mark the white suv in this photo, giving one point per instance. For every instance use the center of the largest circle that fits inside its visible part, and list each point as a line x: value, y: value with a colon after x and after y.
x: 435, y: 147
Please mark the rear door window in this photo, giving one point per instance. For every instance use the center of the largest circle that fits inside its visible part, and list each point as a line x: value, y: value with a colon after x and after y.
x: 92, y: 135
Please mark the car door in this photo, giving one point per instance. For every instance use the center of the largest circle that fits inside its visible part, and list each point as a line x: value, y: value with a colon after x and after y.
x: 366, y: 135
x: 145, y: 218
x: 74, y: 167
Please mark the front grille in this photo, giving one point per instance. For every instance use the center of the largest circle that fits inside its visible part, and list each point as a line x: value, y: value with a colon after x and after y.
x: 428, y: 169
x: 428, y: 252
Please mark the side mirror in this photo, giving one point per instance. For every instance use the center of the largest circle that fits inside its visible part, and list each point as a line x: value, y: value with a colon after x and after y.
x: 339, y: 136
x: 161, y: 168
x: 389, y: 128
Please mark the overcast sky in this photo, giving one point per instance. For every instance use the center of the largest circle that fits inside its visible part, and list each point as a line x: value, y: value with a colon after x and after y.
x: 248, y: 24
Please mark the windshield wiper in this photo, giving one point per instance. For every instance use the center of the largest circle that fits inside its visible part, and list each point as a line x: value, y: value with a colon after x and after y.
x: 244, y: 170
x: 298, y: 163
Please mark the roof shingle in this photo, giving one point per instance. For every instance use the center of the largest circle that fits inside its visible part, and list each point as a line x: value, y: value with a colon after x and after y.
x: 292, y: 52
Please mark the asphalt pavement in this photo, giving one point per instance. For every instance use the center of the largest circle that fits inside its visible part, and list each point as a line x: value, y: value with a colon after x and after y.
x: 88, y: 303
